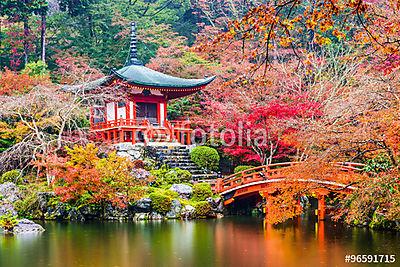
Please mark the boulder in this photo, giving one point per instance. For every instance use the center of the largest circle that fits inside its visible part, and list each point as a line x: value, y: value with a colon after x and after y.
x: 115, y: 213
x: 184, y: 191
x: 155, y: 216
x: 123, y: 146
x: 135, y: 154
x: 217, y: 204
x: 124, y: 154
x: 59, y: 212
x: 9, y: 192
x: 143, y: 205
x: 75, y: 215
x: 141, y: 216
x: 187, y: 212
x: 176, y: 208
x: 7, y: 208
x: 43, y: 199
x: 26, y: 226
x: 91, y: 212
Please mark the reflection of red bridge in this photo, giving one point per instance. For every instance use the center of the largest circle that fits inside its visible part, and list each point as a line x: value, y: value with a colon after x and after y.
x: 264, y: 180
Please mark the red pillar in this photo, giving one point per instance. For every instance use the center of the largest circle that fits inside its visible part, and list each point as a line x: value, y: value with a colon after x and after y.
x: 188, y: 138
x: 121, y: 136
x: 321, y: 208
x: 133, y: 137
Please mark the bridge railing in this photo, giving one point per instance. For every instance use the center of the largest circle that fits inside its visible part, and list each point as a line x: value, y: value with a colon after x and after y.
x: 265, y: 172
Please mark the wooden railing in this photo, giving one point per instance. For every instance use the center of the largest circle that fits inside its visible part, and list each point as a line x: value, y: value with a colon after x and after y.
x: 137, y: 124
x: 265, y: 172
x: 169, y: 131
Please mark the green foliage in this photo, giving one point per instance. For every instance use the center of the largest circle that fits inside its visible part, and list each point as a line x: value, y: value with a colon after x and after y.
x: 202, y: 209
x: 8, y: 222
x: 13, y: 176
x: 36, y: 69
x: 205, y: 157
x: 241, y: 168
x: 160, y: 203
x: 381, y: 163
x: 29, y: 202
x: 201, y: 191
x: 178, y: 108
x: 166, y: 176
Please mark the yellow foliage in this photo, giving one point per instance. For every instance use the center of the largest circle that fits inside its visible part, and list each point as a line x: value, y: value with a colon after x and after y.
x: 82, y: 156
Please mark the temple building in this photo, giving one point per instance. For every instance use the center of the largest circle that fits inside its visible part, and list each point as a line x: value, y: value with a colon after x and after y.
x: 142, y: 115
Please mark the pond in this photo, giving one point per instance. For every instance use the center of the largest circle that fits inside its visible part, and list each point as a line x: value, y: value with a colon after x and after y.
x: 231, y: 241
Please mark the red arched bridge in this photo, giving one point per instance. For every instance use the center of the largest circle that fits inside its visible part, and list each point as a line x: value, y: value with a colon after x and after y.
x: 264, y: 180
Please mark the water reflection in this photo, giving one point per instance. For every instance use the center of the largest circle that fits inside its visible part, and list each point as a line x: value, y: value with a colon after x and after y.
x: 239, y: 241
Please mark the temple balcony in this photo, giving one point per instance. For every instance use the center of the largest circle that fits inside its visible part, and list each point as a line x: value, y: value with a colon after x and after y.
x: 142, y: 131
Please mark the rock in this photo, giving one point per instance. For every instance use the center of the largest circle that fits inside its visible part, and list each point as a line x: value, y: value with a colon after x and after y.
x: 141, y: 216
x: 184, y: 191
x: 143, y: 205
x: 9, y: 192
x: 176, y: 208
x: 59, y: 212
x: 91, y: 212
x: 187, y: 212
x: 123, y: 146
x: 135, y: 154
x: 7, y: 208
x: 124, y: 154
x: 115, y: 213
x: 155, y: 216
x: 216, y: 204
x: 75, y: 215
x: 43, y: 199
x: 141, y: 174
x: 25, y: 226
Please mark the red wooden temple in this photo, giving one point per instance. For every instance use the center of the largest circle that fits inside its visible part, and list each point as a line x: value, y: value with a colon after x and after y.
x: 142, y: 116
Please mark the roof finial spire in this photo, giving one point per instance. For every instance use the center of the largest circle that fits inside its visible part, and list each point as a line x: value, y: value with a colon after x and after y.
x: 133, y: 59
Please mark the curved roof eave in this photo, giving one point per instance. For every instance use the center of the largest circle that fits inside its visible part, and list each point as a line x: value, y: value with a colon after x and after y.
x: 140, y: 75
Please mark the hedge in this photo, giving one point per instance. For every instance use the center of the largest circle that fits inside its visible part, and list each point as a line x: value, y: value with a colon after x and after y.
x: 201, y: 191
x: 205, y: 157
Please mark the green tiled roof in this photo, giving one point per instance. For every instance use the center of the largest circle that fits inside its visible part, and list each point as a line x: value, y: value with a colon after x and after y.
x: 141, y: 75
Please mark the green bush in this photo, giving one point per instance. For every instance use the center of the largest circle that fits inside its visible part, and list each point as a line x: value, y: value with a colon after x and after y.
x: 177, y: 175
x: 205, y: 157
x: 201, y: 191
x: 8, y: 222
x: 170, y: 176
x: 160, y: 203
x: 202, y: 209
x: 241, y: 168
x: 11, y: 176
x: 380, y: 163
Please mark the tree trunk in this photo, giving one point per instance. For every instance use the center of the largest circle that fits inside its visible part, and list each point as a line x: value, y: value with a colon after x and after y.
x: 43, y: 38
x: 26, y: 43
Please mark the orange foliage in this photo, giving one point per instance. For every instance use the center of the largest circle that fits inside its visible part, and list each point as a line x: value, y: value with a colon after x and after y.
x: 12, y: 83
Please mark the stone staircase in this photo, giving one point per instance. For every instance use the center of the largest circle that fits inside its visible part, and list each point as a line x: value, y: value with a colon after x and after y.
x: 179, y: 156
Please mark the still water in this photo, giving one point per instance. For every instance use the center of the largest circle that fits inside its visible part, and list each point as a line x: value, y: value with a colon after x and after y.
x: 235, y: 241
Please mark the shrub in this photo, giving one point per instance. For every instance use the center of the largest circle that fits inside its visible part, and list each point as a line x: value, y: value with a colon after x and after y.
x: 171, y: 176
x: 11, y: 176
x: 160, y: 203
x: 177, y: 175
x: 8, y: 222
x: 380, y: 163
x: 205, y: 157
x: 201, y: 191
x: 202, y: 209
x: 241, y: 168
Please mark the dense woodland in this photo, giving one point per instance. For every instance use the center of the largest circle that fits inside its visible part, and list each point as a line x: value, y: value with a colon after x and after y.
x: 320, y: 77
